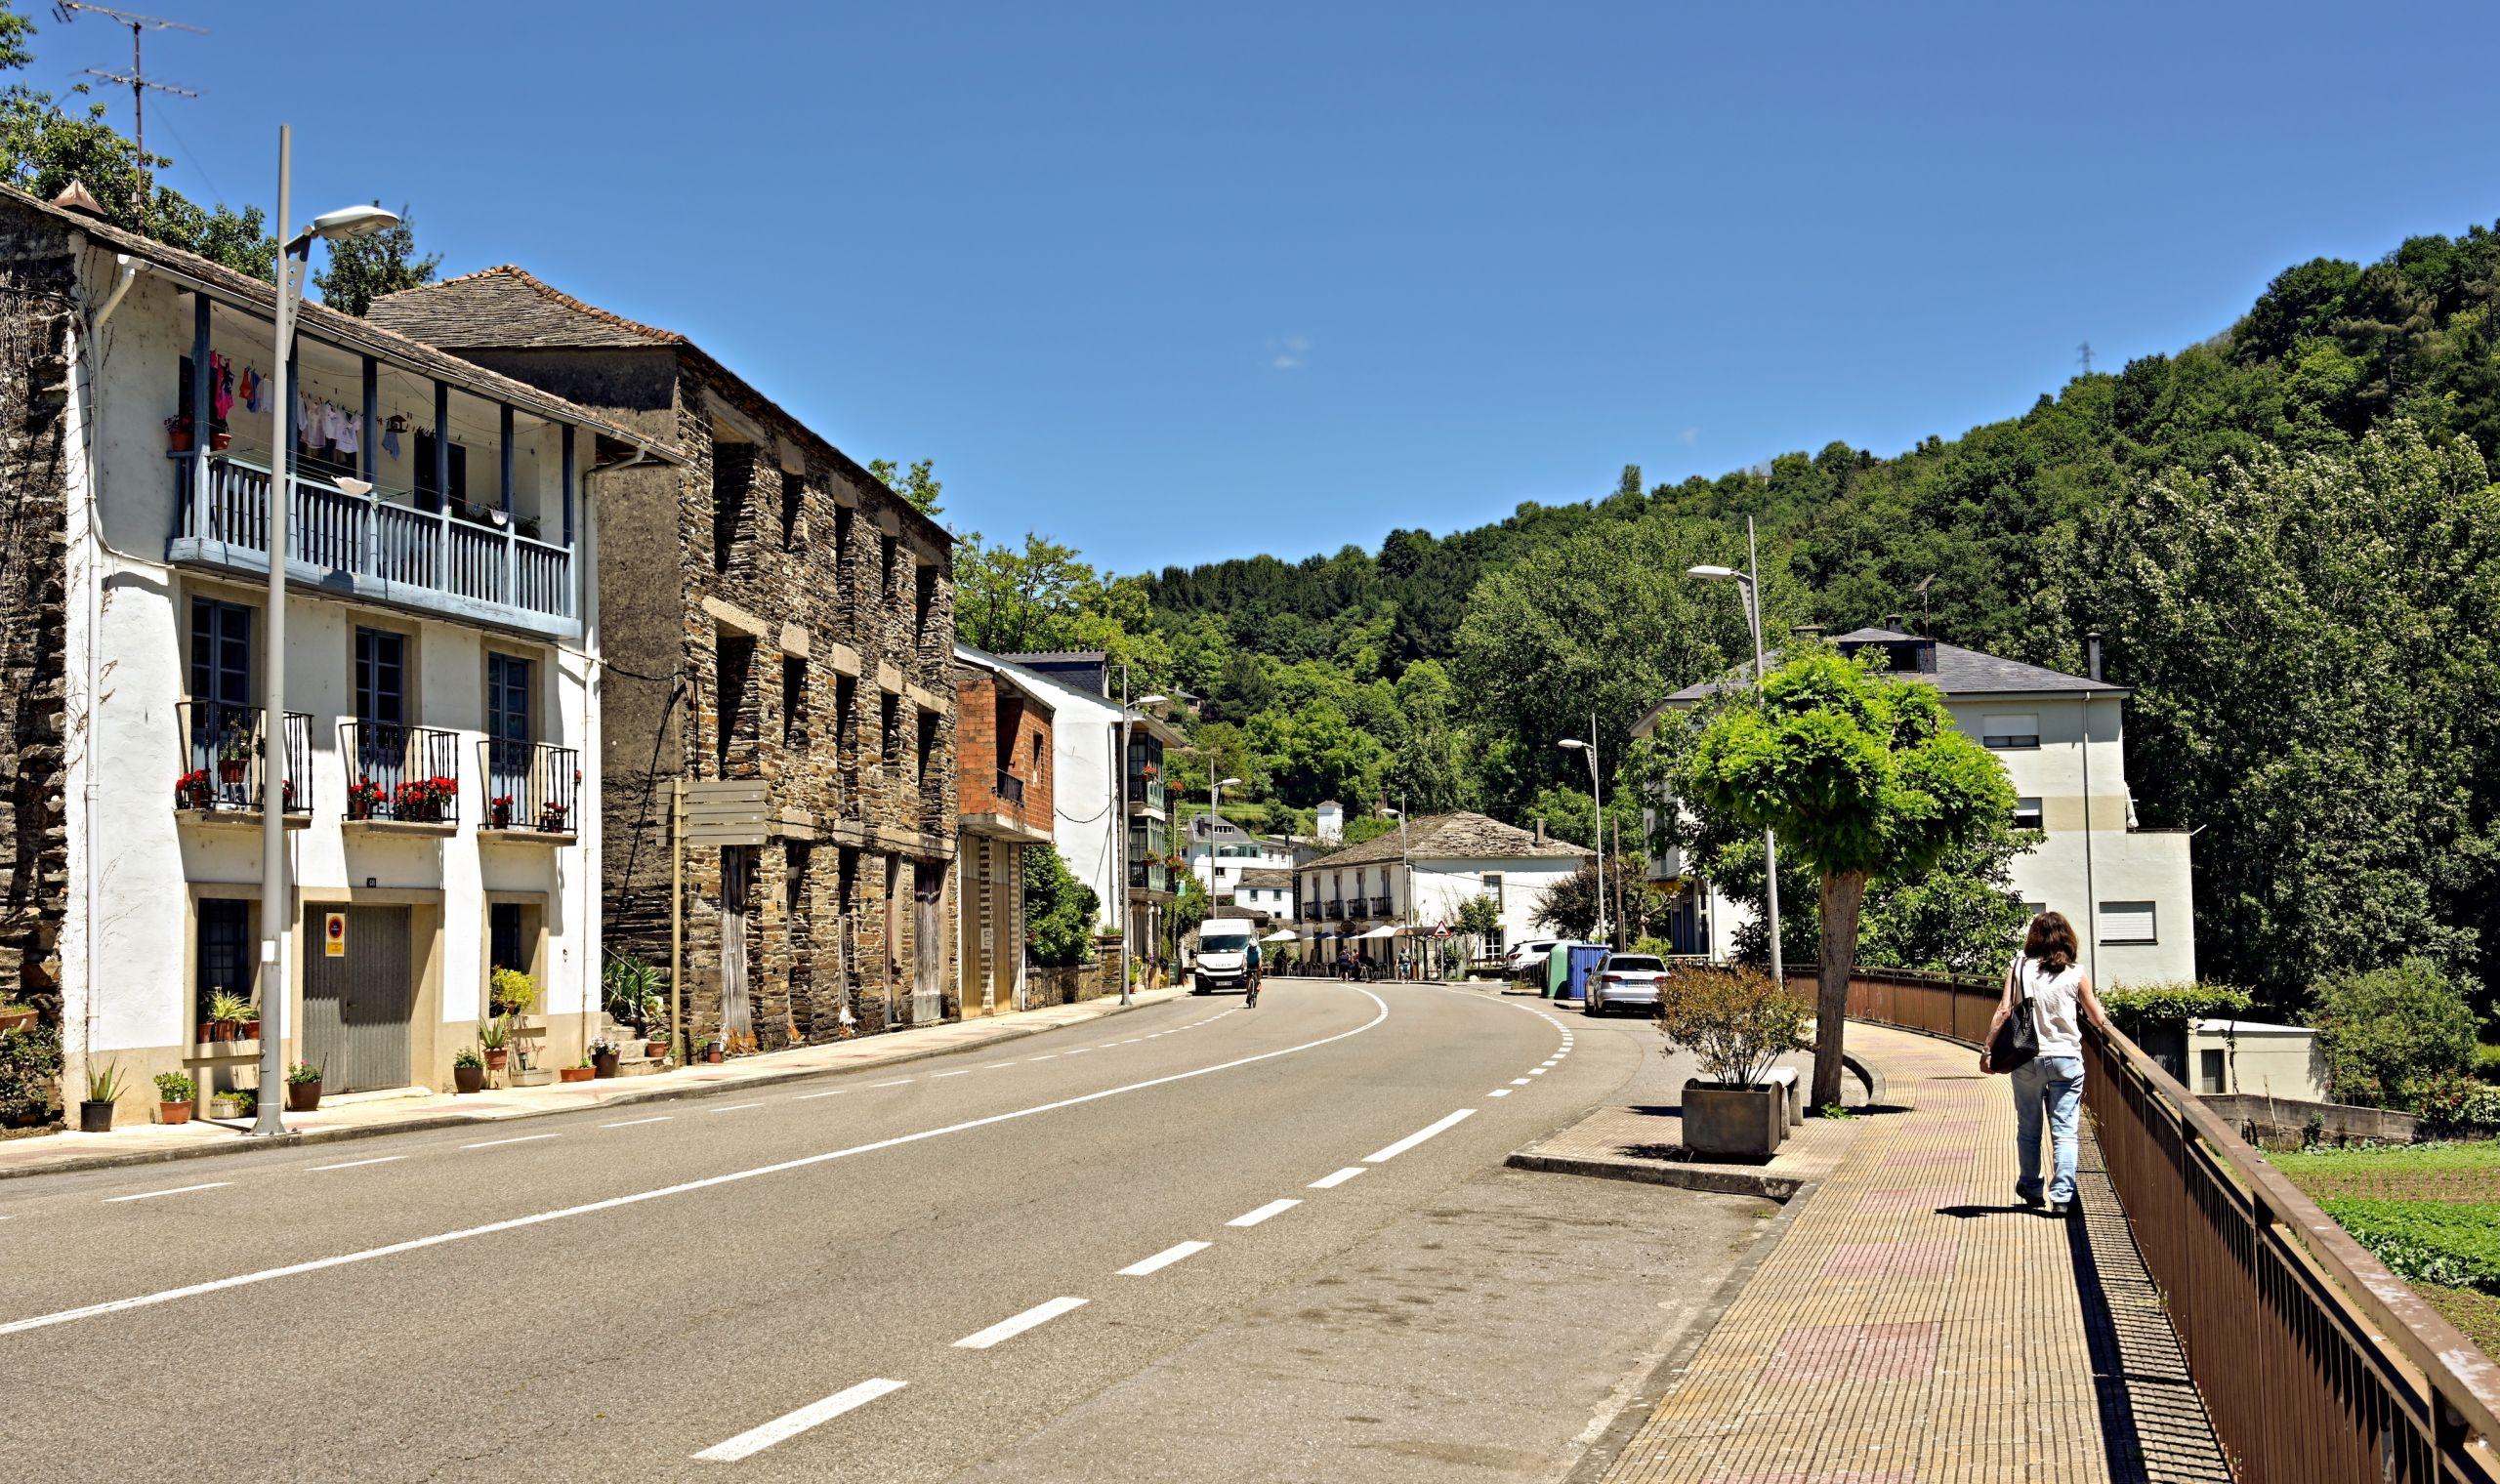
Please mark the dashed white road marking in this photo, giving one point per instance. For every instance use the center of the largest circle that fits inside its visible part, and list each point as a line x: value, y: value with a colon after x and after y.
x: 1332, y: 1182
x: 897, y: 1082
x: 958, y: 1072
x: 1519, y: 1081
x: 789, y: 1425
x: 1046, y: 1057
x: 1164, y: 1258
x: 735, y: 1107
x: 379, y: 1159
x: 632, y: 1123
x: 992, y: 1066
x: 1536, y: 1071
x: 806, y: 1097
x: 1272, y: 1209
x: 1009, y: 1329
x: 150, y: 1195
x: 1500, y: 1093
x: 1439, y: 1126
x: 524, y: 1138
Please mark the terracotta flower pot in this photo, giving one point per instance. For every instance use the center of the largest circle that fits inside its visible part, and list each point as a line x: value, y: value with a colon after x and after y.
x: 247, y: 1030
x: 712, y: 1054
x: 179, y: 439
x: 468, y: 1079
x: 218, y: 442
x: 496, y: 1059
x: 174, y: 1112
x: 16, y: 1020
x: 655, y: 1049
x: 603, y: 1064
x: 303, y: 1097
x: 574, y: 1073
x: 221, y: 1030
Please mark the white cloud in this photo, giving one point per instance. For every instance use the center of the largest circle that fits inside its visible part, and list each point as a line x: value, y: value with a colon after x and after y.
x: 1688, y: 437
x: 1286, y: 352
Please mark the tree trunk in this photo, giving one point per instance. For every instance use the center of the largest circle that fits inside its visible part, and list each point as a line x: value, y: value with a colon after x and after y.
x: 1843, y: 893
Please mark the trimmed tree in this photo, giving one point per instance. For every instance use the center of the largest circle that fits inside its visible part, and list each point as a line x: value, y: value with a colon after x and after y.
x: 1860, y: 775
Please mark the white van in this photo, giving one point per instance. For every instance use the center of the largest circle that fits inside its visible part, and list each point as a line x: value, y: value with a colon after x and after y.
x: 1223, y: 954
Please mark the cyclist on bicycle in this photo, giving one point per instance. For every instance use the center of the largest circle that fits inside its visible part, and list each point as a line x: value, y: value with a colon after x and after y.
x: 1250, y: 958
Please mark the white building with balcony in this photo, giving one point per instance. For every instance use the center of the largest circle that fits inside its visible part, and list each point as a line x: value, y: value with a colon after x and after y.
x: 1408, y: 883
x: 436, y: 762
x: 1243, y: 867
x: 2061, y: 739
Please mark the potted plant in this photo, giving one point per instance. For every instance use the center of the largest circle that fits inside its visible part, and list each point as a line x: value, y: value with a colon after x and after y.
x: 179, y: 433
x: 247, y: 1025
x: 303, y: 1088
x: 16, y: 1015
x: 191, y: 790
x: 364, y: 796
x: 491, y: 1038
x: 421, y: 800
x: 712, y: 1051
x: 510, y: 994
x: 233, y: 1102
x: 1737, y: 1024
x: 499, y: 811
x: 234, y: 757
x: 96, y: 1111
x: 580, y: 1071
x: 602, y: 1058
x: 174, y: 1094
x: 227, y: 1011
x: 551, y: 817
x: 468, y: 1070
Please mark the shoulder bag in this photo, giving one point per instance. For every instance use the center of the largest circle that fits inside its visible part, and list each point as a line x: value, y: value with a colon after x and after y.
x: 2018, y: 1039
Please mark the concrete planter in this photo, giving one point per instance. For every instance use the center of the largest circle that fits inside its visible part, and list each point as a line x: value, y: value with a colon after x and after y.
x: 1727, y: 1120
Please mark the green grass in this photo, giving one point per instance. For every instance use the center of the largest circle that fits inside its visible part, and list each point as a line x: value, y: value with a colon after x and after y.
x: 2459, y: 1171
x: 2474, y: 1154
x: 2455, y: 1244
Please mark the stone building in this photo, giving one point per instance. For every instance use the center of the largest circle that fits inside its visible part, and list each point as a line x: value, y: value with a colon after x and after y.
x: 1006, y: 803
x: 780, y: 640
x: 437, y: 736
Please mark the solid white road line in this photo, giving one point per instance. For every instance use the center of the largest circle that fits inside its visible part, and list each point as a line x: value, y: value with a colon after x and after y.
x: 814, y: 1414
x: 735, y: 1107
x: 635, y: 1123
x: 379, y: 1159
x: 522, y: 1139
x: 1009, y: 1329
x: 1332, y: 1182
x: 684, y: 1187
x: 808, y: 1096
x: 150, y: 1195
x: 1419, y: 1135
x: 1272, y: 1209
x: 1165, y: 1259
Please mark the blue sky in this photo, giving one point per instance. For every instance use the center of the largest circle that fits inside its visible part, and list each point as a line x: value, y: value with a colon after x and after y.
x: 1175, y: 283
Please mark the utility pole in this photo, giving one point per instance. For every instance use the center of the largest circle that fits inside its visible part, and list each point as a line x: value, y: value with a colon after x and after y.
x: 136, y: 79
x: 2084, y: 355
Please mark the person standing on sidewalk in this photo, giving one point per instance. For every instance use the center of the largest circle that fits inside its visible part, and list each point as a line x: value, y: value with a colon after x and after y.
x: 2046, y: 979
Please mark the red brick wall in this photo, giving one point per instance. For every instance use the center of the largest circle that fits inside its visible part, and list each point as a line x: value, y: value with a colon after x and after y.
x: 981, y: 749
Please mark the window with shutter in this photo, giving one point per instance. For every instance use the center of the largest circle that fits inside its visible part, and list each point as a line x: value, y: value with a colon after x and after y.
x: 2010, y: 733
x: 2127, y: 922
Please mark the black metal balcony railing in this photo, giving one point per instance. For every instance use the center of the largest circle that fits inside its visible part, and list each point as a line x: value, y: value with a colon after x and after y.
x: 531, y: 786
x: 1011, y: 788
x: 1336, y: 908
x: 1380, y: 906
x: 405, y: 775
x: 226, y: 758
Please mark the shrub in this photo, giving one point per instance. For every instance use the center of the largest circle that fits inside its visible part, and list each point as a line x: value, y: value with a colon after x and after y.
x: 30, y: 1070
x: 2393, y: 1027
x: 2449, y: 1103
x: 468, y: 1056
x: 303, y: 1072
x: 1059, y: 911
x: 635, y: 989
x: 2455, y: 1244
x: 176, y: 1086
x: 2486, y: 1062
x: 509, y: 992
x: 2139, y: 1008
x: 1735, y: 1021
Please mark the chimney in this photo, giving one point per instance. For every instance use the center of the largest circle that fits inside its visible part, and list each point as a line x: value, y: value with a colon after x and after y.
x: 1807, y: 631
x: 1898, y: 623
x: 1540, y: 829
x: 2092, y: 654
x: 1331, y: 822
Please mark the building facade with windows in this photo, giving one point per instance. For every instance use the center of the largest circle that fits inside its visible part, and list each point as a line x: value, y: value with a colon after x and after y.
x: 1248, y: 869
x: 780, y: 646
x: 2061, y: 739
x: 1005, y: 750
x: 1414, y: 878
x: 437, y: 751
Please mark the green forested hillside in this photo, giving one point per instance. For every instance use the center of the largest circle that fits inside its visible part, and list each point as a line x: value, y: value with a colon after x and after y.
x: 2288, y: 534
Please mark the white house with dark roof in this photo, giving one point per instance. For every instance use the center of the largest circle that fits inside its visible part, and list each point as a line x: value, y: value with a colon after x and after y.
x: 2062, y: 740
x: 1415, y: 878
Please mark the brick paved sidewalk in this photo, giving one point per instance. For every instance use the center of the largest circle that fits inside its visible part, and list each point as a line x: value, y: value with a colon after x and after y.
x: 1915, y: 1325
x: 151, y: 1143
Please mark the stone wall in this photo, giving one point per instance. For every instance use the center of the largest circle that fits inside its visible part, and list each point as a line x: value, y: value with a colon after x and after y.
x: 2284, y: 1123
x: 38, y: 284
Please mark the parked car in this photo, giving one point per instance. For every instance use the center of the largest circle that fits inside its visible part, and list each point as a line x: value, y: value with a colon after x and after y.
x: 1625, y: 978
x: 1526, y: 958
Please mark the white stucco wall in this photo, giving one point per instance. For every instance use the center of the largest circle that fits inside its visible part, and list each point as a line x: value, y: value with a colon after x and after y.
x: 1084, y: 790
x: 127, y: 987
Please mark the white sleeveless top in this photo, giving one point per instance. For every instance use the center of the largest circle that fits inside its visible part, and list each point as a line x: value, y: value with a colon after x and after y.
x: 2053, y: 1011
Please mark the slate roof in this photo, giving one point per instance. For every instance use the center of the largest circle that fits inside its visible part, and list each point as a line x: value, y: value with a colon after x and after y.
x: 1458, y: 836
x: 1265, y: 877
x: 1958, y: 671
x: 322, y: 322
x: 506, y: 306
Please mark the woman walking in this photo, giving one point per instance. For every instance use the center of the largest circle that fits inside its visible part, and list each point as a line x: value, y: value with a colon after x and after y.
x: 2045, y: 982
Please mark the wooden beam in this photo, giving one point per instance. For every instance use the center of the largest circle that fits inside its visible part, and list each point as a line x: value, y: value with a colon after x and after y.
x: 368, y: 433
x: 442, y: 446
x: 570, y: 472
x: 503, y: 429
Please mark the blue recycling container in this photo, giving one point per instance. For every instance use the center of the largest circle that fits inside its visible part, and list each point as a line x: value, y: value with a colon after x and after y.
x: 1585, y: 959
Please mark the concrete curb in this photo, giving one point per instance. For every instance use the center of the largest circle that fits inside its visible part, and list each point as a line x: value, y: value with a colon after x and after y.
x: 1668, y: 1371
x: 430, y: 1122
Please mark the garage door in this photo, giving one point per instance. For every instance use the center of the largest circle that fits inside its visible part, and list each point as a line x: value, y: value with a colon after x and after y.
x: 359, y: 1004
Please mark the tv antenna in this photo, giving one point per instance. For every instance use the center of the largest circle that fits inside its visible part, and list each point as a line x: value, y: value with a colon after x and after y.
x: 2083, y: 354
x: 1925, y: 624
x: 137, y: 78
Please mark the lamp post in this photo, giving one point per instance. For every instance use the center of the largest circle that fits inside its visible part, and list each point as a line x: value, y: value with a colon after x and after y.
x: 1121, y: 771
x: 1405, y: 865
x: 1597, y: 803
x: 276, y: 909
x: 1214, y: 822
x: 1750, y: 584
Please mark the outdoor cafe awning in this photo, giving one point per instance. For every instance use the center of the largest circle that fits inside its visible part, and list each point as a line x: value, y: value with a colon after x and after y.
x: 1378, y: 932
x: 1281, y: 935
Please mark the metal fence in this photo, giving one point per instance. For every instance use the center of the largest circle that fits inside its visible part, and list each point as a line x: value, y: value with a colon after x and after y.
x: 2314, y: 1362
x: 226, y: 758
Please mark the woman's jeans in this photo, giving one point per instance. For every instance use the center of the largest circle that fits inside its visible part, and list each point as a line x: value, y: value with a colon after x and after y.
x: 2058, y: 1081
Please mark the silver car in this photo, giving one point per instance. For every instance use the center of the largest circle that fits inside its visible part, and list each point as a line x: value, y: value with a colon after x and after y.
x: 1625, y: 980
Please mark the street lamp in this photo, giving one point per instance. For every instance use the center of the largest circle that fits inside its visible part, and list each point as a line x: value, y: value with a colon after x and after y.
x: 1120, y: 770
x: 1597, y: 803
x: 333, y: 226
x: 1750, y: 584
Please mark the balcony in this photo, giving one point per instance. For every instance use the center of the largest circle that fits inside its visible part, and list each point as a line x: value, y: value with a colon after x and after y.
x: 1380, y: 906
x: 1144, y: 792
x: 401, y: 779
x: 1336, y: 909
x: 1011, y: 788
x: 226, y: 762
x: 366, y: 546
x: 533, y: 790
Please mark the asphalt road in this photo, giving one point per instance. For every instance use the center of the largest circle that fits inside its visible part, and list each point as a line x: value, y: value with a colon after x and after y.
x: 1189, y: 1242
